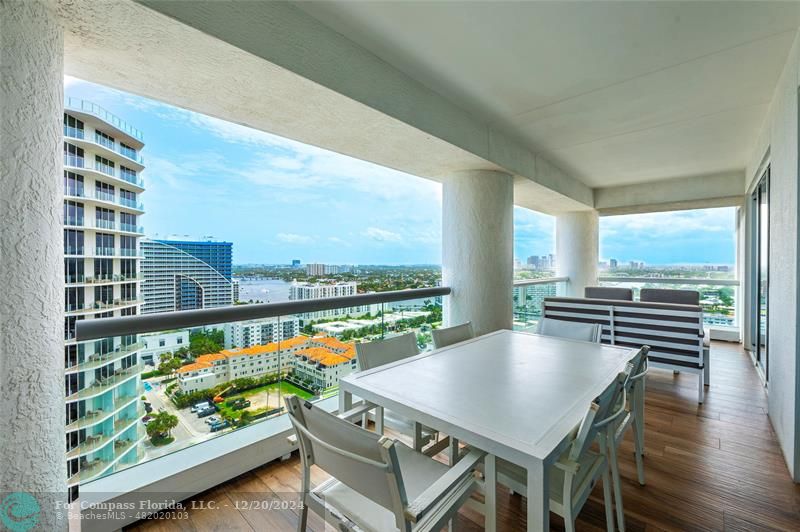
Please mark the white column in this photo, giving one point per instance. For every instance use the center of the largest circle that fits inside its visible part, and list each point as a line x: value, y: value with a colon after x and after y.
x: 577, y: 242
x: 31, y: 259
x: 477, y: 249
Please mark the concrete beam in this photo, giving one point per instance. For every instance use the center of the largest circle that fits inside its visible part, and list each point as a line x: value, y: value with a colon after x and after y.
x: 695, y: 192
x: 273, y: 67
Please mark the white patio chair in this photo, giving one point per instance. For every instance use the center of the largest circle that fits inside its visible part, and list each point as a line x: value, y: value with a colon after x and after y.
x: 378, y: 353
x: 571, y: 330
x: 378, y: 484
x: 452, y: 335
x: 634, y: 417
x: 575, y: 473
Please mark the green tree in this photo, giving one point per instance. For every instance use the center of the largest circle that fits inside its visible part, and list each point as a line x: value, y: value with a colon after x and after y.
x: 161, y: 426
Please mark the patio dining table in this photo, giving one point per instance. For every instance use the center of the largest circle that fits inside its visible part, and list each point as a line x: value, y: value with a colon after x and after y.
x: 515, y: 395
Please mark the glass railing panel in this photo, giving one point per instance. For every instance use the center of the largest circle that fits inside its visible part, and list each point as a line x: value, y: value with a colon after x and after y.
x: 104, y: 168
x: 238, y: 373
x: 527, y: 297
x: 73, y: 132
x: 74, y: 160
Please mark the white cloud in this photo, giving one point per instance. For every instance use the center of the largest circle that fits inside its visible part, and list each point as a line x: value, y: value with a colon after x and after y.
x: 381, y: 235
x: 293, y: 238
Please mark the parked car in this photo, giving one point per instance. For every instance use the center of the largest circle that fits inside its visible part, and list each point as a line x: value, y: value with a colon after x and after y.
x: 200, y: 406
x: 212, y: 420
x: 206, y: 412
x: 219, y: 426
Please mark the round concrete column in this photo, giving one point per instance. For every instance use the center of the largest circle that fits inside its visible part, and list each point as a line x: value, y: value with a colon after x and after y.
x: 32, y: 261
x: 477, y: 249
x: 577, y: 237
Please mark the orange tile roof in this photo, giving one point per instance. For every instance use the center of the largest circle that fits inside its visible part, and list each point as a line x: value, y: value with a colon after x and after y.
x: 323, y: 356
x: 325, y: 349
x: 194, y: 367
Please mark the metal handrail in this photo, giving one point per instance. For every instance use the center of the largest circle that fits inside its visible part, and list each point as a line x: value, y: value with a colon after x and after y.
x: 125, y: 325
x: 670, y: 280
x: 544, y: 280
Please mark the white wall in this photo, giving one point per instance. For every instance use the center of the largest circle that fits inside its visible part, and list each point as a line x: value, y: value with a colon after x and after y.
x: 779, y: 139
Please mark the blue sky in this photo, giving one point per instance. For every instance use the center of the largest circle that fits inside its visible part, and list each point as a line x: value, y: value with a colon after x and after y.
x: 279, y: 200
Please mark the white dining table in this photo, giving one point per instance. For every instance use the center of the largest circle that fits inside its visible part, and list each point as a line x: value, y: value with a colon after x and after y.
x: 515, y: 395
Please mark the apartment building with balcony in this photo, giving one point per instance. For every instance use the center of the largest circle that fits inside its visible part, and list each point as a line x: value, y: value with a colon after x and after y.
x: 300, y: 291
x: 320, y: 360
x: 186, y: 275
x: 255, y: 332
x: 102, y: 189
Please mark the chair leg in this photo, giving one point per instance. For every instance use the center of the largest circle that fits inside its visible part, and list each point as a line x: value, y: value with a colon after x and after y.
x: 701, y: 389
x: 707, y: 366
x: 379, y: 420
x: 607, y: 500
x: 302, y: 521
x: 615, y: 480
x: 638, y: 446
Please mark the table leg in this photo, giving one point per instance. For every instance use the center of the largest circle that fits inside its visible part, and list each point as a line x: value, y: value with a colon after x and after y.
x: 538, y: 497
x: 490, y: 493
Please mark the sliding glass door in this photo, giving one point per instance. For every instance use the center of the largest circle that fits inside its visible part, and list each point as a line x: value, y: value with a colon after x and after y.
x: 760, y: 272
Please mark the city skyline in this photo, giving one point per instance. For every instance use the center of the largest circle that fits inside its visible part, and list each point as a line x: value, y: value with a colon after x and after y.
x: 201, y: 170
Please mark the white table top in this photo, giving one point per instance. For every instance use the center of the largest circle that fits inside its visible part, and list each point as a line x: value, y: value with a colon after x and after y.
x: 513, y: 394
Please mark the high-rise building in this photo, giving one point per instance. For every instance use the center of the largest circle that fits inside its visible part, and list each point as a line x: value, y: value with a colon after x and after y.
x: 533, y: 262
x: 235, y: 286
x: 303, y: 291
x: 315, y: 269
x: 613, y: 264
x: 102, y: 206
x: 186, y: 275
x: 261, y: 331
x: 296, y: 263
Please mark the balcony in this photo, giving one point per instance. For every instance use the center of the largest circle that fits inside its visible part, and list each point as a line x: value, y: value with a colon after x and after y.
x: 74, y: 162
x: 103, y: 280
x: 104, y: 385
x: 104, y: 197
x: 98, y: 360
x: 700, y: 113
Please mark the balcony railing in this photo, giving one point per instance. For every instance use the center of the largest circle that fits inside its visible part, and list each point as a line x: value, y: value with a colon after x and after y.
x: 105, y: 384
x: 718, y: 297
x: 76, y: 161
x: 110, y: 279
x: 94, y: 109
x: 104, y: 196
x: 312, y: 354
x: 528, y: 295
x: 101, y: 140
x: 73, y: 132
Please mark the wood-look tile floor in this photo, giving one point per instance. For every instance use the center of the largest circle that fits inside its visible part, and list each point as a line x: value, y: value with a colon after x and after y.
x: 715, y: 466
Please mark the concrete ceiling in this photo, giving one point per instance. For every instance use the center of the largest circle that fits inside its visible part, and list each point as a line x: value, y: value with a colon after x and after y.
x: 614, y: 93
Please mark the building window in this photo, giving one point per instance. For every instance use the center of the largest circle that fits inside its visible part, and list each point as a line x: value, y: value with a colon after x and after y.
x: 73, y: 184
x: 104, y: 244
x: 73, y: 242
x: 73, y: 271
x: 104, y: 165
x: 104, y: 139
x: 103, y: 269
x: 73, y: 213
x: 104, y: 191
x: 104, y: 218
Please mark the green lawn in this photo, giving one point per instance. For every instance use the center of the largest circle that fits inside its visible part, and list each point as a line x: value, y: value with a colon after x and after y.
x: 285, y: 388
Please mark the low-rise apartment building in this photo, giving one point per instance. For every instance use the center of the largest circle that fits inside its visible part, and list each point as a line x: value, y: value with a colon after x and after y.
x: 323, y: 360
x: 259, y: 332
